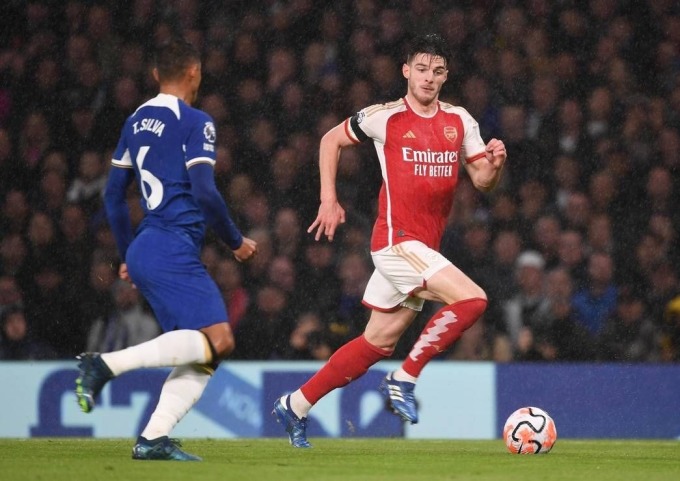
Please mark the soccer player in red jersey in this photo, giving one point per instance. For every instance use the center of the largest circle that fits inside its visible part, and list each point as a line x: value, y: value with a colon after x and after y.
x: 421, y: 142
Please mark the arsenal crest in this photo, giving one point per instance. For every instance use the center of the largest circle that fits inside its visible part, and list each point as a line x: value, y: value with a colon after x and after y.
x: 450, y: 133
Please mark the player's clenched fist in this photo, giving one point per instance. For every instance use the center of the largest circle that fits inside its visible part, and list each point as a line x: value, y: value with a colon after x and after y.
x: 495, y: 152
x: 247, y: 250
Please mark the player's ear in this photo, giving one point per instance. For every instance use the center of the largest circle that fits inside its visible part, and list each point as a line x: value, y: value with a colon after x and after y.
x: 406, y: 70
x: 194, y: 70
x: 155, y: 75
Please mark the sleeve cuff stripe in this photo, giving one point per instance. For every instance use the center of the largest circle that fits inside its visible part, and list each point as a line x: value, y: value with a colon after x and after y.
x: 476, y: 157
x: 121, y: 163
x: 349, y: 132
x: 201, y: 160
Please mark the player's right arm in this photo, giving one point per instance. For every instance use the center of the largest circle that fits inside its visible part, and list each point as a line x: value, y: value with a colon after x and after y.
x: 216, y: 213
x: 200, y: 160
x: 119, y: 179
x: 331, y: 214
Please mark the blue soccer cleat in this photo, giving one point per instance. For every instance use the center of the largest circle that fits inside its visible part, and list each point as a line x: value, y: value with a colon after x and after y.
x: 399, y: 398
x: 94, y: 374
x: 160, y: 449
x: 295, y: 427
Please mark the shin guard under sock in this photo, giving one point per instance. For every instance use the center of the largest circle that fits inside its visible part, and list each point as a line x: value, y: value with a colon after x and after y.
x: 441, y: 331
x: 348, y: 363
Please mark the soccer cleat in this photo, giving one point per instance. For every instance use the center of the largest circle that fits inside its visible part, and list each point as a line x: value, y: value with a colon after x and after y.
x: 295, y: 427
x: 94, y: 374
x: 399, y: 398
x: 161, y: 449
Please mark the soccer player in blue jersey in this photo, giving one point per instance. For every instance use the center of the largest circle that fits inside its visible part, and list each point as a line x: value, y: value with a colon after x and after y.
x: 169, y: 147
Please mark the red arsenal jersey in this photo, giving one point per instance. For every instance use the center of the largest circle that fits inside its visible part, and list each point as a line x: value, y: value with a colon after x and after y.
x: 419, y: 158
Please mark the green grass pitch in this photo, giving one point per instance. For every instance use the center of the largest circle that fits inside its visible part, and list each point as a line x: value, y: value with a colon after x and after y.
x: 341, y: 460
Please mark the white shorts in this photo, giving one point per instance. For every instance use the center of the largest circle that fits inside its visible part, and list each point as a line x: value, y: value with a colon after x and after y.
x: 400, y: 270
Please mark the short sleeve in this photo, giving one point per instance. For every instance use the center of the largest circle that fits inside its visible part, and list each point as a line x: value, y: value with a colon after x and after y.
x: 121, y: 156
x: 200, y: 146
x: 473, y: 145
x: 371, y: 122
x: 353, y: 127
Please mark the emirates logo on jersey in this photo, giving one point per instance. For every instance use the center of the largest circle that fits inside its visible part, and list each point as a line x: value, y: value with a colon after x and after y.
x: 451, y: 133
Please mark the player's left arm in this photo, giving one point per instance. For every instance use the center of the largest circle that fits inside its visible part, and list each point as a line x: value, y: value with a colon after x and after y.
x: 484, y: 163
x: 485, y: 170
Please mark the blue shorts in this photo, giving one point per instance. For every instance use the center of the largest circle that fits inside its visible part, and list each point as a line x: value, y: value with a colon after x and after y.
x: 166, y: 268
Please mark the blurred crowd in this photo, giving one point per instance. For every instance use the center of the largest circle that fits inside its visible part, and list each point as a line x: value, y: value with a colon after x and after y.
x: 577, y: 249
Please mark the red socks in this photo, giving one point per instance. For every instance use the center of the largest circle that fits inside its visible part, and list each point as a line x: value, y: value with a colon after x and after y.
x: 353, y: 359
x: 348, y: 363
x: 440, y: 332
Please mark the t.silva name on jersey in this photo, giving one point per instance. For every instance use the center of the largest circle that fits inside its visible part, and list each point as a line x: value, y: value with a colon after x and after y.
x: 154, y: 126
x: 430, y: 164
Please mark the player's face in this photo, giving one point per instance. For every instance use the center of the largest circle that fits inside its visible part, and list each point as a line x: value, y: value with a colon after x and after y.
x: 425, y: 74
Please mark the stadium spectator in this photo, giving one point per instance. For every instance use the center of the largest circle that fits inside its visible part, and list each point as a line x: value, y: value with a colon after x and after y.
x: 268, y: 321
x: 287, y: 233
x: 546, y: 238
x: 87, y: 189
x: 629, y: 334
x: 353, y: 271
x: 288, y: 188
x: 670, y: 333
x: 11, y: 294
x: 35, y: 141
x: 477, y: 96
x: 318, y: 269
x: 595, y: 303
x: 229, y: 279
x: 126, y: 324
x: 572, y: 252
x: 81, y: 66
x: 567, y: 180
x: 521, y: 312
x: 506, y: 246
x: 308, y: 339
x: 16, y: 342
x: 557, y: 335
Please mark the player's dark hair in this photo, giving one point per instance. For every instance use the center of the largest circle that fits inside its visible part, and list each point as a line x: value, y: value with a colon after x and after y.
x: 431, y: 44
x: 173, y: 57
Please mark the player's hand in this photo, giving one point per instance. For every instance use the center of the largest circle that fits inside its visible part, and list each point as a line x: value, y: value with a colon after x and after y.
x: 495, y: 153
x: 247, y: 250
x: 123, y: 274
x: 331, y: 214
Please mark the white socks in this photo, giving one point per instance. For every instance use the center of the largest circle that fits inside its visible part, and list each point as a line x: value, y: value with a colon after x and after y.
x: 403, y: 376
x: 180, y: 392
x: 301, y: 407
x: 174, y: 348
x: 298, y: 403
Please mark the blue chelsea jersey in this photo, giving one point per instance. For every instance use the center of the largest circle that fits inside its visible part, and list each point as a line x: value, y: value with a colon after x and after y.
x: 161, y: 140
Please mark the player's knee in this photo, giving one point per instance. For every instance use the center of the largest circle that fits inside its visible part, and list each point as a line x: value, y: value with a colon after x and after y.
x: 481, y: 304
x: 470, y: 310
x: 481, y: 295
x: 224, y: 346
x: 221, y: 341
x: 476, y: 307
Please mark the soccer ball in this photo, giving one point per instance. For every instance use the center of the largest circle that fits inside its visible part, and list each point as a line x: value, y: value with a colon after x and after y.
x: 529, y: 430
